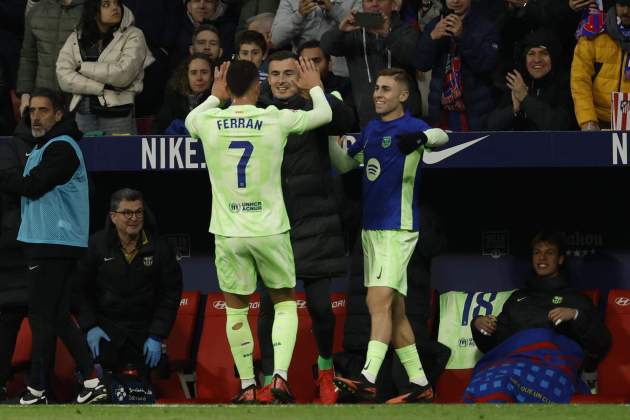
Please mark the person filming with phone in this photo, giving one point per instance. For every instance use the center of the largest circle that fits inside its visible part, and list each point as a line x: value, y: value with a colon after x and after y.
x: 461, y: 48
x: 371, y: 40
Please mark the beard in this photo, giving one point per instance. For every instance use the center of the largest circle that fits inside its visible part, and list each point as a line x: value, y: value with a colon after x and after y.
x: 37, y: 132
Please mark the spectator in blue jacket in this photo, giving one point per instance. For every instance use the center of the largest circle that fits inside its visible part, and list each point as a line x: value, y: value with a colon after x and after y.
x: 461, y: 49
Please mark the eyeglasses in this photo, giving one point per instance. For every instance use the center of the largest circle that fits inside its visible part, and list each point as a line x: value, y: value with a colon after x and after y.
x: 130, y: 213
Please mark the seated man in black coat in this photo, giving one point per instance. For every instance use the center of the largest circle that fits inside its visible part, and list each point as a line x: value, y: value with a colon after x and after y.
x: 540, y: 339
x: 132, y: 285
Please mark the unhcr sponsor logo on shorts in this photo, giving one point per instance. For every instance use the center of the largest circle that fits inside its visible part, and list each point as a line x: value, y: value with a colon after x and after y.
x: 246, y: 207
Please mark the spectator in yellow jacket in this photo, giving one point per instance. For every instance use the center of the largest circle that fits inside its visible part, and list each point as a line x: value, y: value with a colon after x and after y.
x: 601, y: 65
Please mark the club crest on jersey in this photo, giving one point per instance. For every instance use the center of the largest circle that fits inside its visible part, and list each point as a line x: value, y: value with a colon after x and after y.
x: 148, y: 261
x: 387, y: 141
x: 557, y: 300
x: 373, y: 169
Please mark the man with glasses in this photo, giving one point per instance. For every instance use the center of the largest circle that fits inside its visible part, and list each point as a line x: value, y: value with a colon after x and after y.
x: 132, y: 287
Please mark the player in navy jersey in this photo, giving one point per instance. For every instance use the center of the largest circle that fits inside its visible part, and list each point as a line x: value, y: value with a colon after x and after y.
x: 390, y: 147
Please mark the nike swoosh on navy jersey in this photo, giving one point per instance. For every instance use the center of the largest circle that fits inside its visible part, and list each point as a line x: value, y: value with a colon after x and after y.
x: 432, y: 157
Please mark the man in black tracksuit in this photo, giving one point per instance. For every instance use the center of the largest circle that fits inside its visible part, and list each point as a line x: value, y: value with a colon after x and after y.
x: 132, y: 286
x: 54, y: 229
x: 316, y: 230
x: 546, y: 302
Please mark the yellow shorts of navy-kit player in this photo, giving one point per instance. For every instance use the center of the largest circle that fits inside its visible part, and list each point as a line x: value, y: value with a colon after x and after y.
x: 386, y: 254
x: 239, y: 259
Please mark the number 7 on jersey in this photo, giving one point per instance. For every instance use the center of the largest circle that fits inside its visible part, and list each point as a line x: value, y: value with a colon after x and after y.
x: 248, y: 149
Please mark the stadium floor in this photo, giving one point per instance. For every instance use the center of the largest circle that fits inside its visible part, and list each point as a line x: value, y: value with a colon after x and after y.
x: 303, y: 412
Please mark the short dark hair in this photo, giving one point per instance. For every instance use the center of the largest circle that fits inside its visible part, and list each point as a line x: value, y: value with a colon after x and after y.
x: 240, y: 76
x: 55, y: 98
x: 398, y: 74
x: 313, y: 43
x: 281, y: 56
x: 554, y: 238
x: 251, y: 37
x: 205, y: 27
x: 124, y: 194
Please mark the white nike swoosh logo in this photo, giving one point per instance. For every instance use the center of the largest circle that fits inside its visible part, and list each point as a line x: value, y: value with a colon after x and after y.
x: 81, y: 400
x: 523, y: 298
x: 429, y: 157
x: 32, y: 267
x: 108, y: 259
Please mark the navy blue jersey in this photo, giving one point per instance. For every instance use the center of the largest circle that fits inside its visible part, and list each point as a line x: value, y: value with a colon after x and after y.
x: 390, y: 179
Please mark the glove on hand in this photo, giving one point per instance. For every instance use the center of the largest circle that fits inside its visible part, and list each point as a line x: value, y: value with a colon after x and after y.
x: 152, y: 352
x: 409, y: 142
x: 94, y: 337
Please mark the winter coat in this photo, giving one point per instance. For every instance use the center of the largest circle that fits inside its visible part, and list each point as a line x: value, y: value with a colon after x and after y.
x: 478, y: 49
x: 597, y: 70
x: 547, y: 105
x: 46, y: 29
x: 529, y: 308
x: 367, y: 54
x: 116, y: 77
x: 309, y: 194
x: 129, y: 300
x: 13, y: 282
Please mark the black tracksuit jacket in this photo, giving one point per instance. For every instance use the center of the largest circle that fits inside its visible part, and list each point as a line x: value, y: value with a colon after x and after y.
x: 529, y: 308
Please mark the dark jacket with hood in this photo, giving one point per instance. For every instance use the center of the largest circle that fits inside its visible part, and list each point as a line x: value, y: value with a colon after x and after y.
x: 13, y: 284
x: 310, y: 194
x: 548, y: 104
x: 367, y: 54
x: 529, y: 308
x: 478, y: 49
x: 130, y: 300
x: 57, y: 166
x: 175, y: 106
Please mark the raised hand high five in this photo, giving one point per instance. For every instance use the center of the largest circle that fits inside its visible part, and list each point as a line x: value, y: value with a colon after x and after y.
x: 219, y: 86
x: 308, y: 75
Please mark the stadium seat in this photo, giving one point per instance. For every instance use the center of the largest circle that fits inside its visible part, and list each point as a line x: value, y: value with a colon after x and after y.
x: 453, y: 382
x: 179, y: 350
x: 64, y: 380
x: 217, y: 381
x: 304, y: 363
x: 22, y: 353
x: 451, y: 385
x: 614, y: 371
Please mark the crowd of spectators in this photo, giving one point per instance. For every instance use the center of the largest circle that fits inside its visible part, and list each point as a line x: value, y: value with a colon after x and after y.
x: 478, y: 64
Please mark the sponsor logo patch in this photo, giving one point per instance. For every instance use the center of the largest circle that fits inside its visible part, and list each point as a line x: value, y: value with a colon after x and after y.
x: 622, y: 301
x: 246, y: 207
x: 373, y: 169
